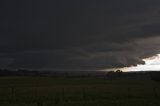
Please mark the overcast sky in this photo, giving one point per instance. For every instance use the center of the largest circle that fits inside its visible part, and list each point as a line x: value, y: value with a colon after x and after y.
x: 78, y: 34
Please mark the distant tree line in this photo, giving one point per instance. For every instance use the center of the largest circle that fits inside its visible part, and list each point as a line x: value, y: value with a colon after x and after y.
x: 154, y: 75
x: 18, y: 72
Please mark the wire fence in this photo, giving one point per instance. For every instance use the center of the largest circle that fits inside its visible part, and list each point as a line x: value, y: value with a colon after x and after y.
x: 57, y: 95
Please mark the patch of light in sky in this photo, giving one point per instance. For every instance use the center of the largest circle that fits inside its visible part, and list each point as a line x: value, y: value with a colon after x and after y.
x: 151, y: 64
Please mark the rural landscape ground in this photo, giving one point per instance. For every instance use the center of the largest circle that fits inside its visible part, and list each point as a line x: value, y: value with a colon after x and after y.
x: 133, y: 90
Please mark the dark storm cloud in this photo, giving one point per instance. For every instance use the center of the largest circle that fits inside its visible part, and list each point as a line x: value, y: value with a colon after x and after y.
x: 83, y: 34
x: 98, y: 56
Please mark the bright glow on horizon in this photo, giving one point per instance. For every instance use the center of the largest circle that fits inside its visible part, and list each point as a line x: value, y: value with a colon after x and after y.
x: 151, y: 64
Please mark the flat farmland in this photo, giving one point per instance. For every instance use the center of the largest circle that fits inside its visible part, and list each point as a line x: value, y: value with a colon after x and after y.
x: 63, y: 91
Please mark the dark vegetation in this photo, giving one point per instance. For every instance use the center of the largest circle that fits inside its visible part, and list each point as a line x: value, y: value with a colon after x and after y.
x: 155, y: 76
x: 43, y: 88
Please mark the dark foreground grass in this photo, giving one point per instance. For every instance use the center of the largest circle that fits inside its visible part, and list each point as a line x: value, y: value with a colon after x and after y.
x: 48, y: 91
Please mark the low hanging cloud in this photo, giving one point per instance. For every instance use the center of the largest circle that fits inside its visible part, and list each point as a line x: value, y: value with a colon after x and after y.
x: 97, y: 56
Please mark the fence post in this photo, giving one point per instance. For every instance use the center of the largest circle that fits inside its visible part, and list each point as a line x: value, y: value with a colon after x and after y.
x: 40, y: 103
x: 129, y: 92
x: 62, y: 94
x: 155, y: 92
x: 84, y: 94
x: 56, y: 100
x: 12, y: 93
x: 36, y: 92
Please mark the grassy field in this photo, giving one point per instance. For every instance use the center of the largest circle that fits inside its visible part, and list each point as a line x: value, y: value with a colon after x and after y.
x: 48, y: 91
